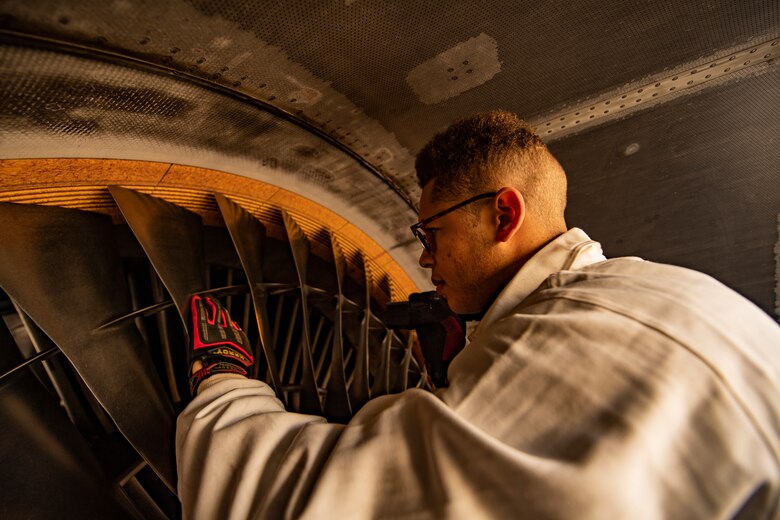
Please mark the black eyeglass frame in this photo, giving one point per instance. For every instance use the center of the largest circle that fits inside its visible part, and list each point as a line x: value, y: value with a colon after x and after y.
x: 418, y: 229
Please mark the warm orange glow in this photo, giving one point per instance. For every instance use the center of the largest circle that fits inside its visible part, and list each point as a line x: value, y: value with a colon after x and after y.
x: 82, y: 184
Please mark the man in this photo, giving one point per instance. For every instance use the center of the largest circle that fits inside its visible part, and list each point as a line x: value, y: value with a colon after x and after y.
x: 591, y: 388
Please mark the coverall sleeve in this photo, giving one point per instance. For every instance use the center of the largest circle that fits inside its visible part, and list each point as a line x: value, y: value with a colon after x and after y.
x: 241, y: 455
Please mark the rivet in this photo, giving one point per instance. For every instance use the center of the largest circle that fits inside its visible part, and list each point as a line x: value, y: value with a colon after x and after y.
x: 606, y: 102
x: 752, y: 51
x: 622, y: 106
x: 454, y: 77
x: 638, y: 100
x: 640, y: 91
x: 672, y: 88
x: 200, y: 60
x: 593, y: 108
x: 606, y: 111
x: 674, y: 78
x: 469, y: 71
x: 224, y: 69
x: 623, y: 96
x: 450, y: 70
x: 690, y: 82
x: 261, y: 85
x: 237, y: 84
x: 577, y: 122
x: 548, y: 124
x: 747, y: 62
x: 293, y: 100
x: 466, y: 62
x: 731, y: 58
x: 563, y: 126
x: 592, y: 116
x: 563, y: 118
x: 694, y: 71
x: 145, y: 40
x: 577, y: 114
x: 64, y: 20
x: 174, y: 50
x: 708, y: 76
x: 655, y: 94
x: 271, y: 98
x: 657, y: 84
x: 727, y: 69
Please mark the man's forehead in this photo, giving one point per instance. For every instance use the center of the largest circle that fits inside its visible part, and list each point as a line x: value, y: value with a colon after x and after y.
x: 429, y: 205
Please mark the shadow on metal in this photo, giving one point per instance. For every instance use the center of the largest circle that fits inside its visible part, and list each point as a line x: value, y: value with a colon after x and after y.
x: 299, y: 244
x: 359, y: 390
x: 248, y: 235
x: 59, y: 465
x: 63, y: 270
x: 172, y: 238
x: 337, y: 404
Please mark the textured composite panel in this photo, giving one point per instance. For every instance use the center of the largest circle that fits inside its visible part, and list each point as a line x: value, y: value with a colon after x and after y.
x: 344, y: 65
x: 693, y: 182
x: 96, y: 109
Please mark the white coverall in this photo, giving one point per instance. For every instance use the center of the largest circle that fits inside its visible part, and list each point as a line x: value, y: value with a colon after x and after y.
x: 601, y: 389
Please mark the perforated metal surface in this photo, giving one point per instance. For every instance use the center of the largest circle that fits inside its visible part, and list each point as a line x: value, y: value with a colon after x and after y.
x: 96, y: 109
x: 693, y: 182
x: 343, y: 65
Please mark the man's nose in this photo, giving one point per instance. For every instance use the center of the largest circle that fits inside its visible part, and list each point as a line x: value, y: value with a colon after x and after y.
x: 426, y: 259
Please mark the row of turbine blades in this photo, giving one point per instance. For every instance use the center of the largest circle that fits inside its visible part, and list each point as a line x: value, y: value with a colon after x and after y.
x: 317, y: 337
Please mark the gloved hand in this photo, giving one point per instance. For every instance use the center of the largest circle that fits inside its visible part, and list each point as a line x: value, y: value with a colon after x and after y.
x: 217, y: 342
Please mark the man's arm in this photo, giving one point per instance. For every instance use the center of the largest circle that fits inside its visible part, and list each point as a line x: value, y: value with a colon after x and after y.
x: 240, y: 455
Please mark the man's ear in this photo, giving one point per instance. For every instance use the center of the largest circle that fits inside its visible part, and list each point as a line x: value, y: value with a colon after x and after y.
x: 510, y: 213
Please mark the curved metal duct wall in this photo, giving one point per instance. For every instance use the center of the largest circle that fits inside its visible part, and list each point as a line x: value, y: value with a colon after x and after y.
x: 95, y: 300
x: 101, y: 310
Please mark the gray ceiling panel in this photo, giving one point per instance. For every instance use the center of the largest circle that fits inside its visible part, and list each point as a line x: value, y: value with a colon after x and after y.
x: 344, y: 65
x: 695, y: 182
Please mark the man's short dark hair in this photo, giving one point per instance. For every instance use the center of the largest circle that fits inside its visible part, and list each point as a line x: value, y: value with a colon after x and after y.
x: 487, y: 151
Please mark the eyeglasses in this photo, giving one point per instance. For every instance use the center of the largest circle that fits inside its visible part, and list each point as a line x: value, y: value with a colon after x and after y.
x: 419, y: 231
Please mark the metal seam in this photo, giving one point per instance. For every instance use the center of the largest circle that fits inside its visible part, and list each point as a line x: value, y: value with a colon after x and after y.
x: 611, y: 105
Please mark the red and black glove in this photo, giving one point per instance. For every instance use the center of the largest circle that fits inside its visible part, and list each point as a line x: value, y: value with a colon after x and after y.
x: 217, y: 342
